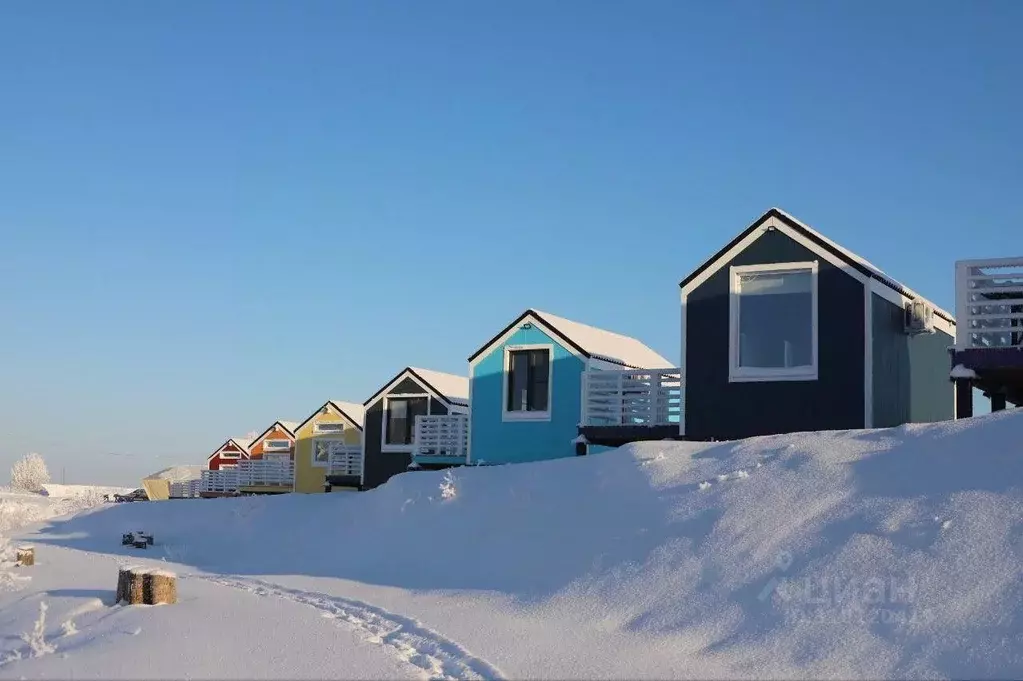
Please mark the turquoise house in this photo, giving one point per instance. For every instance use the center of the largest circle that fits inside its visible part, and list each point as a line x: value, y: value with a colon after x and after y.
x: 526, y: 386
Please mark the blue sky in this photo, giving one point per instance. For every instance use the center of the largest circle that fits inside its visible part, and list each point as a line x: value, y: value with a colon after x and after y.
x: 216, y: 214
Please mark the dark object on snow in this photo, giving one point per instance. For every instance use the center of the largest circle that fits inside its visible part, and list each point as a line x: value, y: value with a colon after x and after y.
x: 140, y: 540
x: 137, y: 495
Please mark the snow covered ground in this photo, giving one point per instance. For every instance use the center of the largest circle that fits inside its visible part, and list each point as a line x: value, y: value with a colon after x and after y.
x: 859, y: 554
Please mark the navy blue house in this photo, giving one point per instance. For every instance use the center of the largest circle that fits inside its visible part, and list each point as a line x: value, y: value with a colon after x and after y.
x: 783, y: 330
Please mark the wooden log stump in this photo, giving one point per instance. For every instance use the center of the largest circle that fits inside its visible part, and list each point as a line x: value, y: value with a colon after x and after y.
x: 162, y: 587
x: 137, y: 586
x: 123, y: 580
x: 26, y: 556
x: 145, y: 586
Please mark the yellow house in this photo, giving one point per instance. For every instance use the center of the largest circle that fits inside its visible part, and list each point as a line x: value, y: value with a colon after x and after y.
x: 328, y: 448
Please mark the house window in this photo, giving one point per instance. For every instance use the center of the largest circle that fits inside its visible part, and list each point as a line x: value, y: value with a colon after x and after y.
x: 329, y: 427
x: 527, y: 378
x: 230, y: 455
x: 401, y: 418
x: 773, y: 322
x: 322, y: 449
x: 276, y: 445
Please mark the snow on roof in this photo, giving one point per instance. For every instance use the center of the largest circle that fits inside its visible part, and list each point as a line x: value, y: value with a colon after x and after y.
x: 178, y: 473
x: 290, y: 425
x: 354, y: 411
x: 606, y: 344
x: 875, y: 271
x: 453, y: 387
x: 243, y: 441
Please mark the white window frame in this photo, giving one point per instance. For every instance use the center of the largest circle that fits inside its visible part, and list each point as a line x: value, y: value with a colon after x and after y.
x: 737, y: 374
x: 229, y: 455
x: 268, y: 448
x: 328, y: 441
x: 529, y: 416
x: 398, y: 449
x: 318, y: 428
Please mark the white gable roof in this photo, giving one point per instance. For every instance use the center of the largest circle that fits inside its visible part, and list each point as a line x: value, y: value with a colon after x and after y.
x: 290, y: 425
x: 243, y: 441
x: 355, y: 412
x: 603, y: 344
x: 453, y: 387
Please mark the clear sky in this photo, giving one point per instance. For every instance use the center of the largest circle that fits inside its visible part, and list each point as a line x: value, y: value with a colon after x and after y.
x: 217, y: 214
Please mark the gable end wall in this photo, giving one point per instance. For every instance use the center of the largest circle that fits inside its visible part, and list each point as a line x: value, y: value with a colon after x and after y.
x: 717, y: 409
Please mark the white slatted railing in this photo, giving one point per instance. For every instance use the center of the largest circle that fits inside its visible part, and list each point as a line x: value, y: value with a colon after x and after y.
x: 441, y: 436
x: 345, y: 460
x: 989, y: 303
x: 249, y: 473
x: 224, y: 480
x: 632, y: 397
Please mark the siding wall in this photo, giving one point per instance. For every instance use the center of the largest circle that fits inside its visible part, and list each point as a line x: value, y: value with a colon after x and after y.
x: 717, y: 409
x: 278, y: 433
x: 910, y: 373
x: 310, y: 477
x: 493, y: 440
x: 379, y: 466
x: 217, y: 460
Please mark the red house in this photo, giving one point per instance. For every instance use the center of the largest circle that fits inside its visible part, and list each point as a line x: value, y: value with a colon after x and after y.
x: 230, y: 452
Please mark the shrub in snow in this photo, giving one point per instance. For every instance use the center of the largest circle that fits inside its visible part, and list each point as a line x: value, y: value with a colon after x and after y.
x: 447, y: 486
x: 69, y: 628
x: 36, y: 639
x: 29, y: 473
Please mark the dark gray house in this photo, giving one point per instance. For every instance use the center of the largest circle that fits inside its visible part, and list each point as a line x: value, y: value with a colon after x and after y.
x: 388, y: 437
x: 783, y: 330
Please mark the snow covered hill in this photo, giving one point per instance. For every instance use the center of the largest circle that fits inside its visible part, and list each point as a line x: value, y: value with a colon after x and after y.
x: 868, y: 554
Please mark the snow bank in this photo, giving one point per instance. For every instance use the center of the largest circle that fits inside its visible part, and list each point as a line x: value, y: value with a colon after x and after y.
x: 855, y: 554
x: 71, y: 491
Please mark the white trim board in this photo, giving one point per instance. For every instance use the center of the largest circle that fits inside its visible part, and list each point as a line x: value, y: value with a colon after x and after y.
x: 409, y: 373
x: 530, y: 318
x: 774, y: 223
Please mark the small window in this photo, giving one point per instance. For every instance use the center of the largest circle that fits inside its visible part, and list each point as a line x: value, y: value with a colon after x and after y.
x: 773, y: 326
x: 230, y: 455
x: 401, y: 418
x: 276, y: 445
x: 326, y: 427
x: 528, y: 379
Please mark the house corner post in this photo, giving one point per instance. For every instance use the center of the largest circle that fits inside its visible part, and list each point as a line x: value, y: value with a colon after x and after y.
x: 964, y: 398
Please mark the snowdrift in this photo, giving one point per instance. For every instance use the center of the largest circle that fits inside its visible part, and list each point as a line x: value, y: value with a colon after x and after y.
x: 883, y: 553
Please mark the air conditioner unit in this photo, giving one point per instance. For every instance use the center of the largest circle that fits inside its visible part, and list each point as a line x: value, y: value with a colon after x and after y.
x: 919, y: 317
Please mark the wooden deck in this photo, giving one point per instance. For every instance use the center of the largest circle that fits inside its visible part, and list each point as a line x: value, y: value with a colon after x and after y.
x: 988, y: 353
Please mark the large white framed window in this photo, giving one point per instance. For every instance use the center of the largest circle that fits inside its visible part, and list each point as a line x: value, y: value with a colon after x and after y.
x: 528, y: 374
x: 399, y: 422
x: 230, y: 455
x: 276, y: 445
x: 773, y: 322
